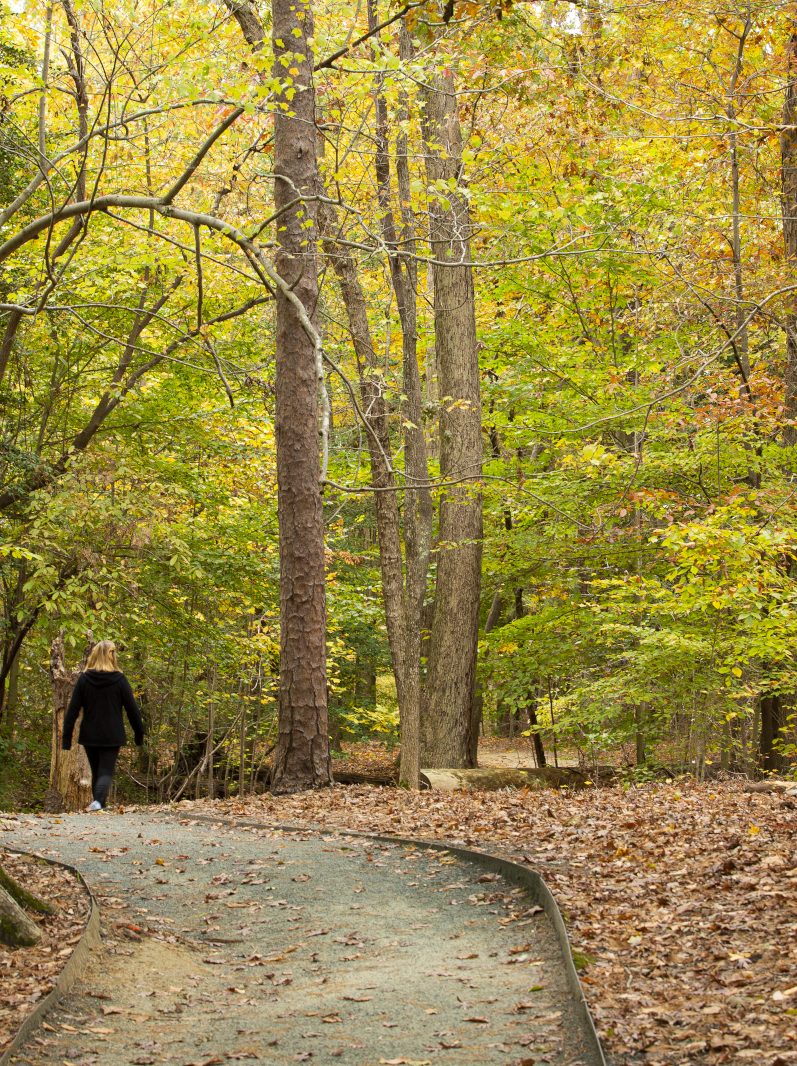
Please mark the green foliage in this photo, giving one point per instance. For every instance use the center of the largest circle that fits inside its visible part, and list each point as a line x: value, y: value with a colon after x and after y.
x: 380, y: 722
x: 638, y: 492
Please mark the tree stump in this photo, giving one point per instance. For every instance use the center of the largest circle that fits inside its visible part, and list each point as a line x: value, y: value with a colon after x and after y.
x: 70, y: 773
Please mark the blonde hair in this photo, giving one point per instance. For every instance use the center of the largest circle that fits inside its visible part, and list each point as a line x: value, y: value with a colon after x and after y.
x: 102, y: 656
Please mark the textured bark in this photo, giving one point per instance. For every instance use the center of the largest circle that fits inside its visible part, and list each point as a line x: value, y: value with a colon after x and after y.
x: 418, y: 514
x: 16, y: 928
x: 244, y: 13
x: 302, y: 758
x: 417, y: 511
x: 403, y: 629
x: 788, y: 150
x: 70, y: 773
x: 450, y: 721
x: 772, y: 720
x: 12, y: 324
x: 536, y: 739
x: 9, y: 702
x: 404, y: 561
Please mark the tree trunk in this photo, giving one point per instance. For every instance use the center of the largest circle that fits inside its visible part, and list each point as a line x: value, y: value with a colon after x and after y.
x: 70, y: 773
x: 302, y: 758
x: 536, y: 739
x: 365, y: 682
x: 640, y: 736
x: 417, y: 512
x: 403, y: 628
x: 771, y: 723
x: 788, y: 152
x: 8, y: 717
x: 16, y: 928
x: 450, y: 721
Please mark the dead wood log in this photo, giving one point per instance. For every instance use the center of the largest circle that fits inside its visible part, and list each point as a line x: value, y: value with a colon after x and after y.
x: 788, y: 788
x: 344, y: 777
x: 493, y: 778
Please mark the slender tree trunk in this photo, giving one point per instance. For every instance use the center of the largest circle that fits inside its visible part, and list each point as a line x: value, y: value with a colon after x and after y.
x: 771, y: 724
x: 8, y: 707
x: 536, y: 739
x: 788, y: 151
x: 770, y: 705
x: 640, y: 735
x: 418, y: 514
x: 450, y: 707
x: 242, y: 750
x: 302, y: 758
x: 209, y: 746
x: 403, y: 628
x: 365, y: 683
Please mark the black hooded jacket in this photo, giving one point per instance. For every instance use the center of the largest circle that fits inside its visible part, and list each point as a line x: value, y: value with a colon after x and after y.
x: 102, y: 694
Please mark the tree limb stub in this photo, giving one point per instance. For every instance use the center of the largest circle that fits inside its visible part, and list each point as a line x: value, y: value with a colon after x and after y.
x: 16, y: 928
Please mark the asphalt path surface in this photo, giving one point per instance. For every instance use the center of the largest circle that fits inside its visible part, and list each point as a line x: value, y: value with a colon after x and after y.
x: 230, y: 944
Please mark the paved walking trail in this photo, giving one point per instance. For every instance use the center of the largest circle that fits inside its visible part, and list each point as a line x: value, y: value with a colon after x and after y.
x: 229, y: 944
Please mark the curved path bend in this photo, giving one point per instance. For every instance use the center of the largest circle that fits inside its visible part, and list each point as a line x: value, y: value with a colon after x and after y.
x: 225, y: 944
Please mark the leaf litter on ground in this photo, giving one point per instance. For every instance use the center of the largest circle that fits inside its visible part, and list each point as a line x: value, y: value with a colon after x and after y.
x: 680, y: 899
x: 28, y: 974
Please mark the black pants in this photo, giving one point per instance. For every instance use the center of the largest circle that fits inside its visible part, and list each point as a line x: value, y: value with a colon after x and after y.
x: 102, y: 762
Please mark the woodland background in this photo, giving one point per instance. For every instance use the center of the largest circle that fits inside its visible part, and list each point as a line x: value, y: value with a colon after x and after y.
x: 627, y: 177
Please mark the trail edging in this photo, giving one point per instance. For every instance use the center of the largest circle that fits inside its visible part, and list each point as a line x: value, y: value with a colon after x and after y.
x: 75, y: 964
x: 530, y: 880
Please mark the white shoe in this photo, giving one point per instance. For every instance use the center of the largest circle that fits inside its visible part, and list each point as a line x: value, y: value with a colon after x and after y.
x: 94, y: 806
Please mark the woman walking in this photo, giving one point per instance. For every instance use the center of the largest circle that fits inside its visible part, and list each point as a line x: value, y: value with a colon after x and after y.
x: 101, y: 691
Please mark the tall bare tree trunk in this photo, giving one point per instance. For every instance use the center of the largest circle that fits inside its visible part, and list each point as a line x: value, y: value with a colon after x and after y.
x: 772, y: 705
x: 398, y: 616
x: 450, y: 708
x: 788, y: 152
x: 302, y: 758
x: 70, y: 773
x: 403, y: 575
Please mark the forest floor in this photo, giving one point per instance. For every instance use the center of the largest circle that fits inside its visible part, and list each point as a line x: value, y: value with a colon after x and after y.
x: 680, y: 900
x: 373, y: 758
x: 21, y: 986
x: 230, y: 944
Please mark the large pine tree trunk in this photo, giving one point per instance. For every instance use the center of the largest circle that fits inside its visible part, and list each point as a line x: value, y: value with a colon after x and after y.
x: 771, y: 705
x: 302, y: 758
x: 788, y: 149
x: 70, y: 774
x: 450, y: 722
